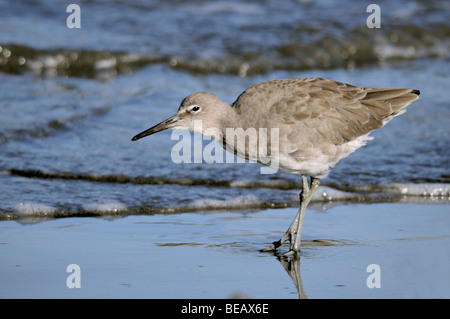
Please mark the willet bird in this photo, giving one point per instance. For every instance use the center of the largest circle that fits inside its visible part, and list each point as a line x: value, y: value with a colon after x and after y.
x: 317, y: 123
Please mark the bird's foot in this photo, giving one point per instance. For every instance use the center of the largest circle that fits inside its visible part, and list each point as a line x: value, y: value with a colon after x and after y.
x: 292, y: 254
x: 273, y: 247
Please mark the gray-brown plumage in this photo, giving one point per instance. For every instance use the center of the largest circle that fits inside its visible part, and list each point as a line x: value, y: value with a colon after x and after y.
x: 317, y: 122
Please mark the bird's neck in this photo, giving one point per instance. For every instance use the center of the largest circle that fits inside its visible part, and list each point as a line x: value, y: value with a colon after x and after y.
x: 227, y: 117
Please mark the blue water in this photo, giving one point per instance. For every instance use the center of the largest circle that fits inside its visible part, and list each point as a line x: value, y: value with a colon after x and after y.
x: 71, y: 99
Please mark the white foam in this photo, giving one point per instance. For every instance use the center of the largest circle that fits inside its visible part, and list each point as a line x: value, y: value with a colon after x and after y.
x: 112, y: 207
x: 325, y: 193
x: 30, y: 209
x: 106, y: 63
x: 430, y: 190
x: 240, y: 201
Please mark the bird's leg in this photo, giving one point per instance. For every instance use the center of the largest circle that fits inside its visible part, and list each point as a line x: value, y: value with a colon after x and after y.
x: 305, y: 197
x: 293, y: 234
x: 290, y: 234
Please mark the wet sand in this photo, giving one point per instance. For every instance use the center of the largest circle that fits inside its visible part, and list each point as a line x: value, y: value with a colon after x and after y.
x: 216, y: 255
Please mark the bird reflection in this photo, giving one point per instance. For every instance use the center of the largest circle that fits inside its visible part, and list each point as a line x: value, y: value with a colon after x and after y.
x: 292, y: 267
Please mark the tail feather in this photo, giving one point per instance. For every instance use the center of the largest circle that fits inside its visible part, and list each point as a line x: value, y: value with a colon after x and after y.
x: 398, y: 99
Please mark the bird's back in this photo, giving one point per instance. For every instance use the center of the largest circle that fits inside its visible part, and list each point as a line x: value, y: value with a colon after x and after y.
x: 319, y: 121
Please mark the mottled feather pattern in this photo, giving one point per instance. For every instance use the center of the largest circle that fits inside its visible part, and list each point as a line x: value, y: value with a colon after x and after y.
x: 318, y: 118
x: 347, y: 110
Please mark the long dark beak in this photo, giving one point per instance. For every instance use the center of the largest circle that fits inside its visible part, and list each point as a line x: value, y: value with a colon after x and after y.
x: 164, y: 125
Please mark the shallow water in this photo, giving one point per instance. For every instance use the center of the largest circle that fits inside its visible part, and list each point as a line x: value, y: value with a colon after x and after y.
x: 71, y: 99
x: 216, y: 255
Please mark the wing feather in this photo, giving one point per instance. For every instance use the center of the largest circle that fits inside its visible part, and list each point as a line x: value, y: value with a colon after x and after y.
x: 337, y: 111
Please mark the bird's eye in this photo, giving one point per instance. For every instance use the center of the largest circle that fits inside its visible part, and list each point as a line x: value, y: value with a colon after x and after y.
x: 195, y: 108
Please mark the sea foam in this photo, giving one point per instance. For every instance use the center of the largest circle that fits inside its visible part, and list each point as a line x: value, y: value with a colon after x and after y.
x: 31, y: 209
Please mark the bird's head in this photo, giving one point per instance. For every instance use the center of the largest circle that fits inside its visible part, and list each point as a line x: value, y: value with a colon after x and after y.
x: 197, y: 112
